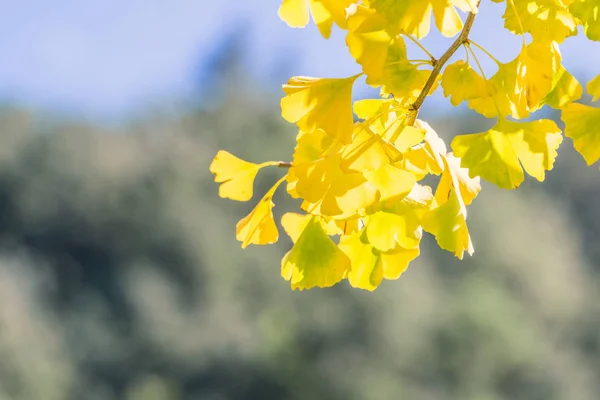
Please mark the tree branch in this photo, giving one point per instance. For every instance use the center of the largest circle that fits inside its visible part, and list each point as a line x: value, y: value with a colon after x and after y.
x: 437, y: 68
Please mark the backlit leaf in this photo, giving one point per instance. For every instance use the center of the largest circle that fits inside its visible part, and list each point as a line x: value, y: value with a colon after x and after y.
x: 547, y: 20
x: 461, y: 82
x: 324, y: 13
x: 582, y: 125
x: 320, y: 103
x: 593, y: 88
x: 588, y: 12
x: 235, y: 175
x: 413, y: 16
x: 497, y: 155
x: 314, y: 260
x: 370, y: 266
x: 259, y: 227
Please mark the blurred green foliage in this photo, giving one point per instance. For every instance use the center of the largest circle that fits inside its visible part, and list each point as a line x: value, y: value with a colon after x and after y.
x: 120, y: 278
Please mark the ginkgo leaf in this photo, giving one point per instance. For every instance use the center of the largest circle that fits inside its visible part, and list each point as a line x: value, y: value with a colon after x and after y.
x: 540, y: 63
x: 519, y: 86
x: 314, y: 260
x: 295, y: 13
x: 566, y: 90
x: 235, y: 175
x: 588, y: 12
x: 391, y: 181
x: 320, y: 103
x: 448, y: 220
x: 330, y: 191
x: 582, y: 125
x: 389, y: 120
x: 399, y: 77
x: 448, y: 223
x: 497, y: 155
x: 593, y: 88
x: 309, y: 147
x: 413, y: 16
x: 399, y: 222
x: 370, y: 266
x: 461, y: 82
x: 324, y: 13
x: 259, y: 227
x: 368, y: 41
x: 545, y: 20
x: 327, y: 188
x: 426, y: 158
x: 383, y: 56
x: 368, y: 151
x: 294, y: 224
x: 408, y: 137
x: 456, y: 178
x: 370, y: 108
x: 387, y: 230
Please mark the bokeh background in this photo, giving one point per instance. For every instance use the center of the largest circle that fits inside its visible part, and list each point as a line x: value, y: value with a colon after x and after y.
x: 120, y: 275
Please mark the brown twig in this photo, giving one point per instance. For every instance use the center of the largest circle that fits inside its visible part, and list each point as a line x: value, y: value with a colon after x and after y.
x: 460, y: 40
x: 283, y: 164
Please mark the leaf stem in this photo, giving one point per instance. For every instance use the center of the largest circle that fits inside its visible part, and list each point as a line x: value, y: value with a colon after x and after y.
x: 462, y: 38
x: 487, y: 82
x: 284, y: 164
x: 485, y: 51
x: 415, y: 41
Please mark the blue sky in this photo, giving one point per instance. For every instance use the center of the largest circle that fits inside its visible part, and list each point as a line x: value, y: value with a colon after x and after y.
x: 106, y: 59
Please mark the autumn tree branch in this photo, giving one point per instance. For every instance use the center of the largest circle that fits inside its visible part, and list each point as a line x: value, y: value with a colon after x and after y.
x: 439, y: 64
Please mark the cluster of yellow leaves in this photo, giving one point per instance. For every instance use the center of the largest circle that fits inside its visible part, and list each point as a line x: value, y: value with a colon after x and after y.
x: 358, y: 168
x: 358, y: 187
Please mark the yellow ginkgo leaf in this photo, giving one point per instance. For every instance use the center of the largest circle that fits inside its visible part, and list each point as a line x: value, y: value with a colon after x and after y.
x: 368, y: 41
x: 330, y: 191
x: 295, y: 13
x: 368, y: 151
x: 407, y: 137
x: 259, y: 227
x: 314, y: 260
x: 382, y: 55
x: 386, y: 229
x: 235, y: 175
x: 457, y: 178
x: 519, y: 86
x: 588, y: 12
x: 448, y: 220
x: 391, y: 181
x: 426, y: 158
x: 461, y: 82
x: 593, y: 88
x: 371, y: 108
x: 539, y: 66
x: 448, y: 223
x: 565, y: 90
x: 545, y: 20
x: 497, y: 155
x: 389, y: 119
x: 413, y: 16
x: 309, y: 147
x: 324, y: 13
x: 347, y: 197
x: 582, y: 125
x: 399, y: 77
x: 399, y: 222
x: 294, y: 224
x: 320, y: 103
x: 370, y: 266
